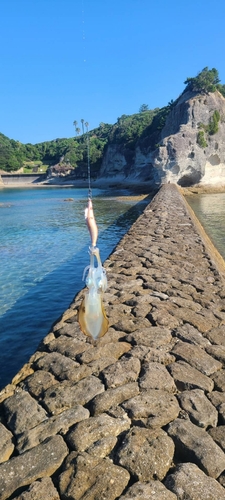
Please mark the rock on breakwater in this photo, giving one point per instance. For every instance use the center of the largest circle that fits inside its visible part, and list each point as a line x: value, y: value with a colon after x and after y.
x: 141, y: 414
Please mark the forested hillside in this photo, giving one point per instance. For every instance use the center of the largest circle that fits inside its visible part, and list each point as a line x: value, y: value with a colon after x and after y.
x: 14, y: 155
x: 126, y: 132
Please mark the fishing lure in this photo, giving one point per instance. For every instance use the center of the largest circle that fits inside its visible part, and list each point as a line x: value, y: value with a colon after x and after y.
x: 91, y: 316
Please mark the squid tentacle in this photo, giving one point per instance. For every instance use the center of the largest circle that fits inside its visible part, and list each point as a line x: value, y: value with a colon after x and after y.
x: 91, y: 316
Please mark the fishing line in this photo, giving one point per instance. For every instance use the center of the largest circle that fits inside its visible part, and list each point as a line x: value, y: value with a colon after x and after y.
x: 83, y: 32
x: 91, y: 314
x: 89, y: 166
x: 86, y: 124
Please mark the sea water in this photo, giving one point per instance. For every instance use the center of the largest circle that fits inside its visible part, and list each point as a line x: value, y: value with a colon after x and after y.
x: 44, y: 246
x: 210, y: 210
x: 44, y: 249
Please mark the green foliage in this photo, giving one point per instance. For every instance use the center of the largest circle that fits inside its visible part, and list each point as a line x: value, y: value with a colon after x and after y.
x: 129, y: 128
x: 160, y: 118
x: 201, y: 139
x: 206, y: 81
x: 213, y: 126
x: 143, y: 108
x: 221, y: 89
x: 144, y: 126
x: 11, y: 154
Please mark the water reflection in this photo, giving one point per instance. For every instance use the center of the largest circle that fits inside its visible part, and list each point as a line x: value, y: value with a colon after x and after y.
x: 44, y: 249
x: 210, y: 210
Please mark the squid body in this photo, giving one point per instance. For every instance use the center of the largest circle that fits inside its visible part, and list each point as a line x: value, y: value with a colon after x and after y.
x: 91, y: 316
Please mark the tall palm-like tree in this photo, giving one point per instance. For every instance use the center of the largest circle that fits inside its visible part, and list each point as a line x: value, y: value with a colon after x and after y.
x: 82, y: 123
x: 75, y: 123
x: 86, y: 125
x: 77, y: 130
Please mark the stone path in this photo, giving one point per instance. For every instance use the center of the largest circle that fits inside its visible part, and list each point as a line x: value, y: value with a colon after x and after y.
x: 142, y: 414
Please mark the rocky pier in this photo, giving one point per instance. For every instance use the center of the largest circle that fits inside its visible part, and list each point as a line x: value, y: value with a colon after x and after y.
x: 140, y: 415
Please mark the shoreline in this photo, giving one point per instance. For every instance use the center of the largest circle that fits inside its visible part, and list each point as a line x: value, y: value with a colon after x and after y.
x: 202, y: 189
x: 114, y: 188
x: 112, y: 185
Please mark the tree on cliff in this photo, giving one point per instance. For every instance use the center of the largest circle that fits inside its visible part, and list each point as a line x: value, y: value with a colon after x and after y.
x: 143, y: 108
x: 206, y: 81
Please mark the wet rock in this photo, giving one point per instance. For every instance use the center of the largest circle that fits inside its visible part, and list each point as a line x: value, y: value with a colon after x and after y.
x: 112, y: 397
x: 157, y: 407
x: 6, y: 443
x: 22, y: 412
x: 199, y: 408
x: 53, y: 425
x: 92, y: 478
x: 154, y: 490
x: 188, y: 481
x: 122, y: 372
x: 41, y: 461
x: 186, y: 377
x: 66, y: 395
x: 146, y: 453
x: 95, y: 428
x: 42, y: 489
x: 195, y: 444
x: 155, y: 376
x: 196, y: 357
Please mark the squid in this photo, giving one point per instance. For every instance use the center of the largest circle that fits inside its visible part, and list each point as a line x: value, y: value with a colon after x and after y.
x: 91, y: 316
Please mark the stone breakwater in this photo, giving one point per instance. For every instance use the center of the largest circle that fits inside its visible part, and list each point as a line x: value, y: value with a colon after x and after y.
x: 140, y: 415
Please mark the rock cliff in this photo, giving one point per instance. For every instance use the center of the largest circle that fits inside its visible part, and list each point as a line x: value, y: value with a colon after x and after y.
x: 184, y: 151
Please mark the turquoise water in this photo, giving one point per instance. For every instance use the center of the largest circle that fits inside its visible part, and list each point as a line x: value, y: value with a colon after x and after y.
x: 210, y: 210
x: 44, y: 245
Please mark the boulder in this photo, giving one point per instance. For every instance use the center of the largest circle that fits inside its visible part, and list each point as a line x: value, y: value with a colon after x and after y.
x: 188, y: 481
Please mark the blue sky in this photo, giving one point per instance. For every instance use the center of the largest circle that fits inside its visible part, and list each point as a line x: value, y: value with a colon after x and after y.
x: 64, y: 60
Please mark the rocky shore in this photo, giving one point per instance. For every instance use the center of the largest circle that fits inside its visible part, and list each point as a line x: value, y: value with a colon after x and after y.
x: 140, y: 415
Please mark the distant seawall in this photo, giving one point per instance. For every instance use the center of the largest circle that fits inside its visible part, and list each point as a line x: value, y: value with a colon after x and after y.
x: 141, y: 414
x: 22, y: 178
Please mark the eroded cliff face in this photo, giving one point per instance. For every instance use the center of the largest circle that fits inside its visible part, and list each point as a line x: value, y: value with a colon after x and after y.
x: 177, y: 157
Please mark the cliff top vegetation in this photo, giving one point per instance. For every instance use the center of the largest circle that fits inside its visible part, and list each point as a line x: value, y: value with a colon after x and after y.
x: 145, y: 125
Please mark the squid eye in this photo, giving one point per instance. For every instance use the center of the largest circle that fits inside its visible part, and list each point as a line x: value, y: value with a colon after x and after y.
x: 89, y: 281
x: 99, y: 283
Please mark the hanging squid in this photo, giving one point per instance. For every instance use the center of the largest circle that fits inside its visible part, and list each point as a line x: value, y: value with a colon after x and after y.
x: 91, y: 316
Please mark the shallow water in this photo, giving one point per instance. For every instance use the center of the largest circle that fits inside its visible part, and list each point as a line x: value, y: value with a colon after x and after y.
x: 44, y: 245
x: 210, y: 210
x: 44, y: 249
